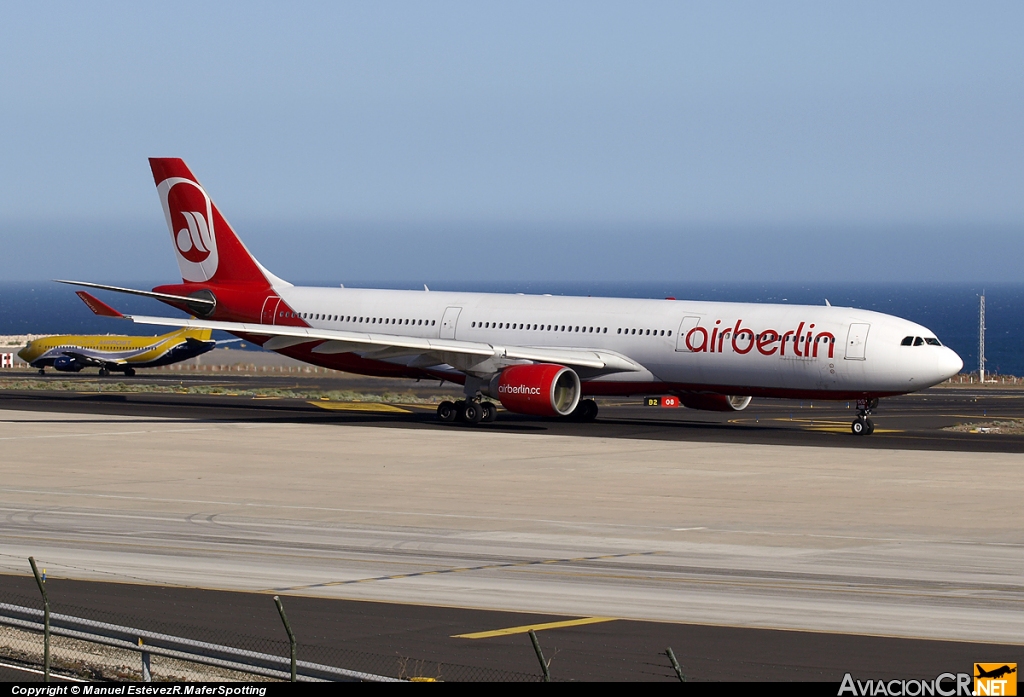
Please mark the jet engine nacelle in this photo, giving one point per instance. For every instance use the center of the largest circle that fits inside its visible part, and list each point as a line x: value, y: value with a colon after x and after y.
x: 66, y: 364
x: 541, y: 389
x: 714, y: 402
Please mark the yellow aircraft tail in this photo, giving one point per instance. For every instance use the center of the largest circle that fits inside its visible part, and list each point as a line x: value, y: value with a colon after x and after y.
x: 189, y: 333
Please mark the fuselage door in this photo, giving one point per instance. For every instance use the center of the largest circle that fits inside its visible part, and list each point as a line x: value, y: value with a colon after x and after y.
x: 448, y: 322
x: 269, y: 314
x: 857, y: 342
x: 685, y: 326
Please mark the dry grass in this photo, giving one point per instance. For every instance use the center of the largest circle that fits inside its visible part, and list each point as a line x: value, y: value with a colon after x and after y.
x: 1012, y: 427
x: 23, y: 383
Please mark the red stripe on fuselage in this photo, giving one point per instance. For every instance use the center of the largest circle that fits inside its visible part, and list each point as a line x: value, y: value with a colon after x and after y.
x: 351, y: 363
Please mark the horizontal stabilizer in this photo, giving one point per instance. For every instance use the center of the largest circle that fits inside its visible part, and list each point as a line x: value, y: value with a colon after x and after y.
x: 144, y: 293
x: 98, y: 306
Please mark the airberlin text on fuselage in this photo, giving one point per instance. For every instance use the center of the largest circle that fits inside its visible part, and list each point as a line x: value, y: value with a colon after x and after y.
x: 768, y: 342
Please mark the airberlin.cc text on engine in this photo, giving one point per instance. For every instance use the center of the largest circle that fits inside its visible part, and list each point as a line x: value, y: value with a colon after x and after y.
x: 517, y: 389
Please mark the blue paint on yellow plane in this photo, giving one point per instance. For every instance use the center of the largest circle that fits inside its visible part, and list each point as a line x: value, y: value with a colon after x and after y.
x: 112, y: 353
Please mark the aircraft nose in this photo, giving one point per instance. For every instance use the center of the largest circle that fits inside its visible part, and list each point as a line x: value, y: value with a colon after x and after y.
x: 949, y: 363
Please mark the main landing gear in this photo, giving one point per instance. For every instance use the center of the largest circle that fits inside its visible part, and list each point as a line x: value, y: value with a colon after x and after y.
x: 585, y: 411
x: 862, y: 425
x: 472, y: 411
x: 469, y: 411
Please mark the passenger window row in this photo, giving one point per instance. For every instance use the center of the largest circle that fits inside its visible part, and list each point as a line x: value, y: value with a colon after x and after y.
x: 359, y: 320
x: 540, y: 327
x: 918, y: 341
x: 645, y: 332
x: 796, y: 339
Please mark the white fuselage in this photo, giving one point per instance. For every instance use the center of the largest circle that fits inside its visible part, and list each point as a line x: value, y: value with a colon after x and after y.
x: 759, y: 349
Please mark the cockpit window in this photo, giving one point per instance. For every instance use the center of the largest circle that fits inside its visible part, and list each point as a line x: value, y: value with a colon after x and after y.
x: 918, y: 341
x: 931, y: 341
x: 907, y: 341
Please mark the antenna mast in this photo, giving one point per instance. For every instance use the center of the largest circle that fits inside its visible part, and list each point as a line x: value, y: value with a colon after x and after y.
x: 981, y: 340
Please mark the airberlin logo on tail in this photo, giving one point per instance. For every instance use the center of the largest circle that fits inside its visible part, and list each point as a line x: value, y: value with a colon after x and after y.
x: 194, y: 241
x: 189, y: 214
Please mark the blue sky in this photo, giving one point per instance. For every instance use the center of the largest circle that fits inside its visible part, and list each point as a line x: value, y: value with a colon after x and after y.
x: 535, y: 141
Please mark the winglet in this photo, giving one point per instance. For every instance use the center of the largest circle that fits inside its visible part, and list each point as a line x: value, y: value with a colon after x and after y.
x: 98, y: 306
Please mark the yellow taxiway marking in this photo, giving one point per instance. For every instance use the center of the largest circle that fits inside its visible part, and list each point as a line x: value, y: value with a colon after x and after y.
x: 846, y: 429
x: 523, y: 629
x: 820, y: 425
x: 360, y: 406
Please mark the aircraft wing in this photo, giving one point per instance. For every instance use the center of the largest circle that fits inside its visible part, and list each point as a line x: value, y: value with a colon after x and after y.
x: 94, y: 358
x: 468, y: 356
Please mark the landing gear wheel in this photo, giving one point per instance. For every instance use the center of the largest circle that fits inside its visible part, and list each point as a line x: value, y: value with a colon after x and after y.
x: 587, y: 410
x: 446, y: 412
x: 104, y: 372
x: 42, y: 372
x: 862, y: 425
x: 472, y: 412
x: 129, y: 372
x: 490, y: 412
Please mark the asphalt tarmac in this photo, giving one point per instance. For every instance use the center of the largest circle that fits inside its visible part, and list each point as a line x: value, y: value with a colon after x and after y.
x: 774, y: 546
x: 456, y: 643
x: 914, y: 422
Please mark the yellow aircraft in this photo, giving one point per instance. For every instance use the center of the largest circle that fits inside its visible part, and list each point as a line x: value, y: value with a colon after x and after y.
x: 111, y: 352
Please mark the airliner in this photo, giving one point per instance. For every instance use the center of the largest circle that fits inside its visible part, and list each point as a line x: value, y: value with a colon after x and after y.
x: 114, y: 353
x: 541, y: 355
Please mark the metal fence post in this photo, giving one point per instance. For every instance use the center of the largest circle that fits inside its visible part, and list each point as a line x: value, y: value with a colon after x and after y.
x: 46, y: 620
x: 287, y: 628
x: 540, y: 656
x: 147, y: 674
x: 675, y: 664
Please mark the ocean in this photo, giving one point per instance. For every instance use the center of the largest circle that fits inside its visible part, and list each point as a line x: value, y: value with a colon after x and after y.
x: 950, y: 310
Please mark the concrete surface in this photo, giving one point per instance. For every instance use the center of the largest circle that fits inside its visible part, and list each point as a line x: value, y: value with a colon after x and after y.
x: 896, y: 543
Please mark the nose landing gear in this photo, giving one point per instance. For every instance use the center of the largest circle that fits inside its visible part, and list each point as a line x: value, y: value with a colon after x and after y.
x: 862, y: 425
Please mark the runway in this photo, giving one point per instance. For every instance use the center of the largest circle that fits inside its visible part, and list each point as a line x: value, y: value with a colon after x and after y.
x: 673, y: 524
x: 912, y: 422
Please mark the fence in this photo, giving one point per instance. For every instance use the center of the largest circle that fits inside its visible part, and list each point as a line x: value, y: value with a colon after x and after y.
x: 990, y: 379
x: 99, y: 645
x: 148, y: 644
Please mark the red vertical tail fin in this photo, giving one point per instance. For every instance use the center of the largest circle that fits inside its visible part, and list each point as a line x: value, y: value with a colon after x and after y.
x: 207, y: 249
